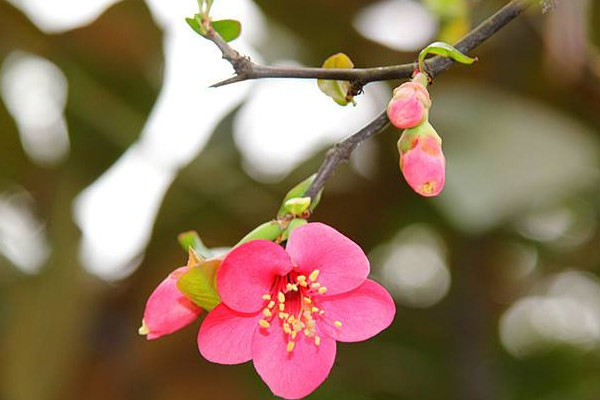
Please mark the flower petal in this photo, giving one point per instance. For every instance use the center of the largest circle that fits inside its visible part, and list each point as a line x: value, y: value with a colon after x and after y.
x: 247, y: 273
x: 342, y: 264
x: 363, y: 312
x: 225, y: 336
x: 295, y: 374
x: 167, y: 309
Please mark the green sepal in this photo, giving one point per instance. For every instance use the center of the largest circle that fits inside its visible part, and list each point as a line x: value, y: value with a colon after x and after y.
x: 337, y: 90
x: 190, y: 239
x: 445, y: 50
x: 229, y: 29
x: 299, y: 191
x: 408, y: 137
x: 199, y: 282
x: 295, y: 223
x: 268, y: 231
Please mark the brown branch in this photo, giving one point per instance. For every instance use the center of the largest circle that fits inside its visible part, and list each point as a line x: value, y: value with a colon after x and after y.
x: 245, y: 69
x: 343, y: 150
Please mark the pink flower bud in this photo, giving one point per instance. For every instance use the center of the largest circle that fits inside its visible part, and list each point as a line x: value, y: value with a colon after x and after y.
x: 424, y: 166
x: 167, y: 309
x: 409, y: 105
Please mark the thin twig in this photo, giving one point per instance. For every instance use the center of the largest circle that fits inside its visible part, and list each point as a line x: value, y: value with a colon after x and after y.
x: 246, y: 69
x: 342, y: 151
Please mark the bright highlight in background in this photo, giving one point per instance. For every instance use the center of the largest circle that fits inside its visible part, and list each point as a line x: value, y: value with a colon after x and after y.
x: 35, y: 93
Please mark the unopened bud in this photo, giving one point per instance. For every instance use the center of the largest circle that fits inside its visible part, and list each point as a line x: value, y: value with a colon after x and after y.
x: 409, y: 105
x: 422, y: 162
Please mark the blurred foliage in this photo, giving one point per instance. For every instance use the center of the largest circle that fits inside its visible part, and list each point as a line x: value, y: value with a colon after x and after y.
x: 66, y: 335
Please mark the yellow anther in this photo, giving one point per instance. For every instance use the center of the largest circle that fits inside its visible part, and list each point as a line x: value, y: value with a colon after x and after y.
x: 303, y: 284
x: 317, y: 341
x: 321, y: 312
x: 307, y: 332
x: 271, y: 304
x: 307, y: 300
x: 281, y: 297
x: 337, y: 324
x: 267, y: 312
x: 281, y: 306
x: 294, y: 333
x: 314, y: 310
x: 301, y: 278
x: 263, y: 323
x: 266, y: 297
x: 315, y: 285
x: 314, y: 275
x: 286, y: 328
x: 322, y: 290
x: 290, y: 346
x: 295, y: 288
x: 288, y: 287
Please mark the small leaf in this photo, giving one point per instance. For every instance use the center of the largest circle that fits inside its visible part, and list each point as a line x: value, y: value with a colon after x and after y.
x: 229, y: 29
x: 444, y: 50
x: 297, y: 206
x: 199, y: 282
x: 190, y: 239
x: 295, y: 223
x: 195, y: 24
x: 337, y: 90
x: 299, y: 191
x: 267, y: 231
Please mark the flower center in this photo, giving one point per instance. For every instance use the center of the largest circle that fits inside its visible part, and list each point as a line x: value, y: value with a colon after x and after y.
x: 292, y: 303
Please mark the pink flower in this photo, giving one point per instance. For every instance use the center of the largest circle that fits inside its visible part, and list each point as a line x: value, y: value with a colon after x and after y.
x: 424, y: 166
x: 285, y: 309
x: 167, y: 309
x: 409, y: 105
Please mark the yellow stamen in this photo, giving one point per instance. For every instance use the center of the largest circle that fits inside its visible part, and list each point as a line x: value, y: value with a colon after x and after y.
x: 290, y: 346
x: 315, y: 285
x: 267, y: 312
x: 263, y: 323
x: 144, y: 330
x: 281, y: 297
x: 266, y: 297
x: 271, y: 304
x: 337, y: 324
x: 314, y: 310
x: 288, y: 287
x: 314, y: 275
x: 322, y: 290
x: 281, y: 306
x: 317, y: 341
x: 307, y: 300
x: 301, y: 278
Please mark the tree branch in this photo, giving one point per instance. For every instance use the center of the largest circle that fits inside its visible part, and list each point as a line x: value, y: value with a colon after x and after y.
x: 246, y: 69
x: 342, y: 151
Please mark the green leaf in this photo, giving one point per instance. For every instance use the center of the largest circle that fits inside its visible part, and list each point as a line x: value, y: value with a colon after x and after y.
x: 190, y: 239
x: 267, y: 231
x: 229, y: 29
x: 444, y: 50
x: 295, y: 223
x: 199, y: 284
x: 299, y: 191
x: 195, y: 24
x: 337, y: 90
x: 297, y: 206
